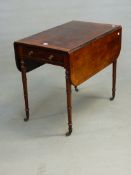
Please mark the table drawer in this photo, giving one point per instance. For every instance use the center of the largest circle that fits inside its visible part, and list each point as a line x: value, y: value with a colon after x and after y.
x: 43, y: 55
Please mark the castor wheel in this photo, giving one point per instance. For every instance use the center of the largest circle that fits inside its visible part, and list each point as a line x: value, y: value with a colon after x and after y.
x: 69, y: 132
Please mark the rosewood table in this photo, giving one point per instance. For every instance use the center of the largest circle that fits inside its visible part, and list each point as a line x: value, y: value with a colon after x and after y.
x: 81, y: 48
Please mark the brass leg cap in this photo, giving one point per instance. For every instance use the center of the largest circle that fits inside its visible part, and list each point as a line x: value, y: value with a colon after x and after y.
x: 76, y: 89
x: 69, y: 132
x: 26, y: 119
x: 112, y: 98
x: 27, y: 116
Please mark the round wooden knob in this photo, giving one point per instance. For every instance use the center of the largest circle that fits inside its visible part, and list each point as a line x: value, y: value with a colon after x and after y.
x: 50, y: 57
x: 30, y: 53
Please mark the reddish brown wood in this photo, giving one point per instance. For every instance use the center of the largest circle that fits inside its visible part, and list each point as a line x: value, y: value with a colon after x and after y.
x: 114, y: 64
x: 29, y: 64
x: 90, y: 59
x: 43, y: 55
x: 25, y: 90
x: 69, y: 36
x: 82, y: 48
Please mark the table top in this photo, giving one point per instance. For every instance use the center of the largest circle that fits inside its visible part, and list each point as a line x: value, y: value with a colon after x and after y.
x: 69, y: 36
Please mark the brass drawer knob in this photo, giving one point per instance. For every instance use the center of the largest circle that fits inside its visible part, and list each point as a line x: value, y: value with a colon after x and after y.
x: 51, y: 57
x: 30, y: 53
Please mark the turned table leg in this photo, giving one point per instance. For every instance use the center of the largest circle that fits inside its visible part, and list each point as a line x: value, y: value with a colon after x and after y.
x: 25, y: 90
x: 113, y: 79
x: 69, y: 108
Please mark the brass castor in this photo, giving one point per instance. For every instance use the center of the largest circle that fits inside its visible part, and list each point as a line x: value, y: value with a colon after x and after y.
x: 69, y: 132
x: 27, y: 116
x: 76, y: 89
x: 113, y: 96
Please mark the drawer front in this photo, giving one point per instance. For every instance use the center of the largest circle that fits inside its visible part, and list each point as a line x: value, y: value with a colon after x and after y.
x: 43, y: 55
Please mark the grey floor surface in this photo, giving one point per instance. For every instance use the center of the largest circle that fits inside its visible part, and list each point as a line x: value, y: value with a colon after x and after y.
x: 101, y: 139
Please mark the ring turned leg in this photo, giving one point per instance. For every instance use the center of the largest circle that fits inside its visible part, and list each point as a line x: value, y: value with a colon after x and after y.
x: 24, y: 80
x: 68, y: 90
x: 113, y: 79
